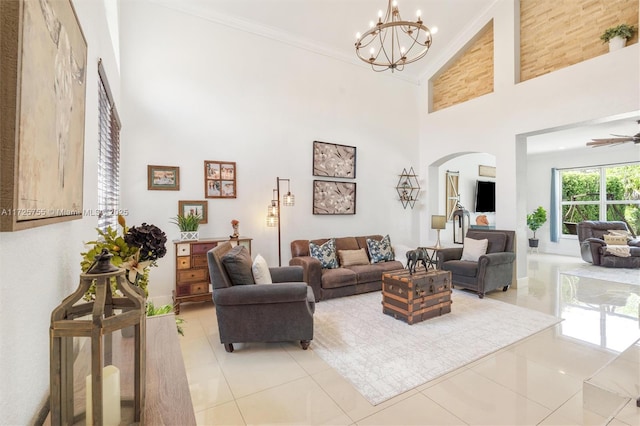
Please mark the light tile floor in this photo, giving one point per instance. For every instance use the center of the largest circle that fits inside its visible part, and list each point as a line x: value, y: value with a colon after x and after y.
x: 536, y: 381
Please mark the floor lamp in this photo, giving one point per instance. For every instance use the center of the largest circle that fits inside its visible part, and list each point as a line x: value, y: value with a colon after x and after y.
x: 273, y: 211
x: 438, y: 222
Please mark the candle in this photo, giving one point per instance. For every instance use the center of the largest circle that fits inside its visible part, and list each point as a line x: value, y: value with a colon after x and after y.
x: 110, y: 397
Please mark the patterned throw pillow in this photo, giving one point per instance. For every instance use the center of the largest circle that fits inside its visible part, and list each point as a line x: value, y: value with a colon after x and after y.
x: 380, y: 251
x: 326, y: 253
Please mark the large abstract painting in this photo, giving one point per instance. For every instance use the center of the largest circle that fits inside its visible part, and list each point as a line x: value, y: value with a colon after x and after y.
x: 333, y: 160
x: 47, y: 139
x: 334, y: 197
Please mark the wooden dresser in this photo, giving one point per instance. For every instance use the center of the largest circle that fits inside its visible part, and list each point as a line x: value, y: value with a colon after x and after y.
x: 192, y: 269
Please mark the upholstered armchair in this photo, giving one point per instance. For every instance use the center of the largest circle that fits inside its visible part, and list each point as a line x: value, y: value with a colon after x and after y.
x: 249, y: 312
x: 594, y: 248
x: 482, y: 269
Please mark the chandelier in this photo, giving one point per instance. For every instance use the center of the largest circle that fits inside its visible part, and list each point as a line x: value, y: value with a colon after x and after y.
x: 392, y: 42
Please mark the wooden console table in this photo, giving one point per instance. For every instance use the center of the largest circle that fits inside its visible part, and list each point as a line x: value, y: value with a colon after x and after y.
x: 168, y: 400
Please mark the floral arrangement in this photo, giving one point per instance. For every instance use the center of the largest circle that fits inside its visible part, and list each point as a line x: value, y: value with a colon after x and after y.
x: 136, y: 250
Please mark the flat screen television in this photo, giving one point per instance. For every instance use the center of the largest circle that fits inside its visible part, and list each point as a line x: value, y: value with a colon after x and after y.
x: 485, y: 196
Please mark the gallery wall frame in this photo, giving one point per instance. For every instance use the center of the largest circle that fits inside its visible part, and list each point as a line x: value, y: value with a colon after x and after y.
x: 194, y: 207
x: 334, y: 198
x: 163, y: 178
x: 486, y: 171
x: 220, y: 179
x: 451, y: 191
x: 334, y: 160
x: 42, y: 120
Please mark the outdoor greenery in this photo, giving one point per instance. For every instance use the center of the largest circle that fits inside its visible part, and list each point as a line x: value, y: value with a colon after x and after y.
x: 622, y: 183
x: 625, y: 31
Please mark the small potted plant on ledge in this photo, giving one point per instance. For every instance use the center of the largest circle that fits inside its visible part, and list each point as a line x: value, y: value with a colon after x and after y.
x: 534, y: 221
x: 188, y: 226
x: 617, y: 36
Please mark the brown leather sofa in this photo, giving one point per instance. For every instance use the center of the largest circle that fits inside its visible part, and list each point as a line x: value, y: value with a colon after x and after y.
x: 345, y: 280
x: 593, y: 248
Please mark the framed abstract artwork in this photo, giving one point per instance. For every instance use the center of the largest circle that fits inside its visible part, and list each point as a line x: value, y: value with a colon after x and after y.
x: 42, y: 141
x: 220, y: 179
x: 333, y: 160
x: 163, y: 178
x: 196, y: 208
x: 330, y: 197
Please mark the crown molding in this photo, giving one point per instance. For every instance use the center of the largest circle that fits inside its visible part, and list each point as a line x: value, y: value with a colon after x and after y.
x: 275, y: 34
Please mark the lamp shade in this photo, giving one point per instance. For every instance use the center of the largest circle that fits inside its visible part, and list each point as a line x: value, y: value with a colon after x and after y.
x: 438, y: 221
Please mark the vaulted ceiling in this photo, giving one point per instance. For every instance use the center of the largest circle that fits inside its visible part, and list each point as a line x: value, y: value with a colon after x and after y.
x: 329, y: 27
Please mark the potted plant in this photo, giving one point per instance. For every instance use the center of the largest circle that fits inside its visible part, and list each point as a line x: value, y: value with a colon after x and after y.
x: 188, y: 226
x: 534, y: 221
x: 617, y: 36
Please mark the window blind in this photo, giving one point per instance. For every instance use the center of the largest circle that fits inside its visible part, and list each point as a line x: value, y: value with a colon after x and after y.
x: 108, y: 155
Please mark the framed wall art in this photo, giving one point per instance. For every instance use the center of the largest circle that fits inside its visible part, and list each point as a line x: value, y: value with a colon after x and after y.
x: 331, y: 197
x: 487, y: 171
x: 163, y: 178
x: 196, y: 208
x: 452, y: 196
x: 220, y: 179
x: 333, y: 160
x: 42, y: 140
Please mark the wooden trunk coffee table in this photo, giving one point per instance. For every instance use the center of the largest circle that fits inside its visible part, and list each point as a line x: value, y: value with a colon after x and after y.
x: 417, y: 297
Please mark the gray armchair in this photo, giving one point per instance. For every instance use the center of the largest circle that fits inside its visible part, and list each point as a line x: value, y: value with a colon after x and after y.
x: 493, y: 270
x: 249, y: 312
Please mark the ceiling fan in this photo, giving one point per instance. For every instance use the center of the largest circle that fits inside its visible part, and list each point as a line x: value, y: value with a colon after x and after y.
x: 615, y: 141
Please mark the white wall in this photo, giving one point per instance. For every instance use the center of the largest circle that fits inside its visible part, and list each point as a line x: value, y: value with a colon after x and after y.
x: 582, y: 92
x: 196, y: 90
x: 41, y: 266
x: 539, y: 176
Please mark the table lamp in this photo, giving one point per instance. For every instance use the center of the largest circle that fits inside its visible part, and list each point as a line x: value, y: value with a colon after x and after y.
x: 438, y: 222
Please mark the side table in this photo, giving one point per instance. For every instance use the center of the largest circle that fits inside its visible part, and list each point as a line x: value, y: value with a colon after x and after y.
x: 432, y: 256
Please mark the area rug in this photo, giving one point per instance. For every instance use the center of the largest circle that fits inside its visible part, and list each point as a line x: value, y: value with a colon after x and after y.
x: 383, y: 357
x: 618, y: 275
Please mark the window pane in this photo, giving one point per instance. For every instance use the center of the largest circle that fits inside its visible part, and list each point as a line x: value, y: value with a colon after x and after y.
x: 623, y: 183
x: 572, y: 214
x: 629, y: 213
x: 581, y: 185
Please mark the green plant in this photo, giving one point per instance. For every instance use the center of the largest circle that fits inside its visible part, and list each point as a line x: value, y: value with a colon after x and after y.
x: 536, y: 219
x: 625, y: 31
x: 187, y: 223
x: 153, y: 310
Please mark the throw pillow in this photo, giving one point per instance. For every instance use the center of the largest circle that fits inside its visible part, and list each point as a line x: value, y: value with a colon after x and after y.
x: 615, y: 240
x: 473, y: 249
x: 380, y: 251
x: 353, y: 257
x: 260, y: 269
x: 325, y: 253
x: 237, y: 263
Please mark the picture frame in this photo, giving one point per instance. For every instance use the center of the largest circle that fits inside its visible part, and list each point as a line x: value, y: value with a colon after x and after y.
x: 42, y: 141
x: 163, y: 178
x: 334, y: 198
x: 220, y: 179
x: 196, y: 207
x: 334, y: 160
x: 486, y: 171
